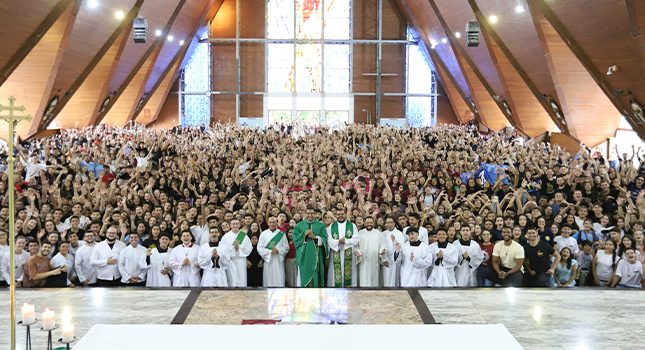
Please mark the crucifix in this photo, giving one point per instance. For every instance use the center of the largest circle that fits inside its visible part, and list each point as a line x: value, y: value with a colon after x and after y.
x: 12, y: 119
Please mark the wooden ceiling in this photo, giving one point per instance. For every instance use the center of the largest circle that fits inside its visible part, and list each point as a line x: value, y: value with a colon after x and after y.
x: 552, y: 51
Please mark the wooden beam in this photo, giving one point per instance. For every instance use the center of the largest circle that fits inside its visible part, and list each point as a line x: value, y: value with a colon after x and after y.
x: 154, y: 49
x: 457, y: 48
x: 33, y: 39
x: 208, y: 13
x: 444, y: 73
x: 490, y: 32
x: 584, y: 59
x: 126, y: 25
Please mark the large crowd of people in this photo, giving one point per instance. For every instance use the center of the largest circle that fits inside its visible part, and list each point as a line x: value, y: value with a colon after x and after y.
x: 360, y: 206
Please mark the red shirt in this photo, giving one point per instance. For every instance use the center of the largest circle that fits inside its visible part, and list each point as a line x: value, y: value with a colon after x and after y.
x: 488, y: 253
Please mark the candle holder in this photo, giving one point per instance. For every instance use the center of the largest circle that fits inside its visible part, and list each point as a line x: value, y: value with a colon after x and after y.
x: 28, y: 335
x: 67, y: 343
x: 50, y: 345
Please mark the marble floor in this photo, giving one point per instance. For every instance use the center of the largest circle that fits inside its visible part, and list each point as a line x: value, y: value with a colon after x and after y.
x: 538, y: 319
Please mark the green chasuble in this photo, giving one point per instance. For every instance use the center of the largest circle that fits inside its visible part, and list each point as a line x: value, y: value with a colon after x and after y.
x: 310, y: 258
x: 342, y: 277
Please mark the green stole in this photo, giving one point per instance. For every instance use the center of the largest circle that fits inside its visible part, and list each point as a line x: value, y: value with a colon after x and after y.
x: 240, y: 237
x: 274, y: 241
x: 346, y: 276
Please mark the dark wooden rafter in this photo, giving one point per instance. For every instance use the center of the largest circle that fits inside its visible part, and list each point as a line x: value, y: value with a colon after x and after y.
x: 33, y: 39
x: 154, y: 49
x: 586, y: 62
x: 180, y: 56
x: 636, y: 21
x: 126, y: 24
x: 436, y: 59
x: 458, y: 49
x: 490, y: 32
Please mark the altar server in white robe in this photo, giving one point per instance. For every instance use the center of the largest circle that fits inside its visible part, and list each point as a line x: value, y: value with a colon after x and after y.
x: 273, y: 247
x: 214, y: 259
x: 346, y: 239
x: 391, y: 268
x: 184, y: 262
x: 85, y: 271
x: 64, y: 258
x: 370, y: 241
x: 415, y: 259
x: 159, y: 271
x: 20, y: 260
x: 240, y: 247
x: 132, y: 263
x: 445, y: 258
x: 470, y: 257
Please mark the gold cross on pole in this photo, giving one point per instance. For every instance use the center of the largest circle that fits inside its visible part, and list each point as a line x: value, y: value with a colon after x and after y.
x: 12, y: 120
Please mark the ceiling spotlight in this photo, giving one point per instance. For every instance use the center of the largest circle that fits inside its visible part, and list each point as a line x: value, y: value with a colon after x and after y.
x: 181, y: 43
x: 433, y: 44
x: 92, y: 4
x: 519, y: 9
x: 158, y: 32
x: 444, y: 40
x: 492, y: 19
x: 458, y: 35
x: 171, y: 38
x: 119, y: 14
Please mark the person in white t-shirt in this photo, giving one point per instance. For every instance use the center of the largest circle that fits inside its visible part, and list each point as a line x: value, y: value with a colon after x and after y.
x: 565, y: 240
x: 629, y: 272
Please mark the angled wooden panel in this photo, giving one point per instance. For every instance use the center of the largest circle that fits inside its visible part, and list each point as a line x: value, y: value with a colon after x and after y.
x: 93, y: 26
x: 600, y: 37
x: 88, y: 97
x: 126, y: 103
x: 31, y: 82
x: 590, y: 115
x: 487, y: 108
x: 24, y: 22
x: 511, y: 70
x: 114, y: 46
x: 525, y: 106
x: 182, y: 29
x: 460, y: 108
x: 152, y: 108
x: 416, y: 14
x: 468, y: 65
x: 456, y: 14
x: 519, y: 35
x: 169, y: 114
x: 158, y: 13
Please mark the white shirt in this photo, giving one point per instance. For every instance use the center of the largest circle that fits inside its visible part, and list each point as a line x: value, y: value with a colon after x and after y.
x: 20, y: 259
x: 100, y: 256
x: 569, y: 242
x: 60, y: 260
x: 423, y: 234
x: 85, y: 271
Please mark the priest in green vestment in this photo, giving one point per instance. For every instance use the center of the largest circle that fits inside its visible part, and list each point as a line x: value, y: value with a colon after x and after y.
x: 310, y: 239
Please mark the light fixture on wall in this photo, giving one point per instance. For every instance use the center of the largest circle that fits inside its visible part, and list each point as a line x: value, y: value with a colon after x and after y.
x: 612, y: 69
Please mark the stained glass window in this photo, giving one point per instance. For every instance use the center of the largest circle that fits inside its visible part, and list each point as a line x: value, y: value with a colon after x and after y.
x: 303, y: 68
x: 196, y: 105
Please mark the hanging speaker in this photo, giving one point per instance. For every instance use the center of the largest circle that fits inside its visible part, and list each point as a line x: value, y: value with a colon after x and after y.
x: 472, y: 34
x: 140, y: 30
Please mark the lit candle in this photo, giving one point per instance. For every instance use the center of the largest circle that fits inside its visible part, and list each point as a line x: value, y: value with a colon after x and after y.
x: 49, y: 321
x: 28, y: 314
x: 68, y: 333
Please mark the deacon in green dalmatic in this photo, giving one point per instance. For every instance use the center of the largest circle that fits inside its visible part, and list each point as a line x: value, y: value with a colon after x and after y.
x: 344, y: 253
x: 310, y: 239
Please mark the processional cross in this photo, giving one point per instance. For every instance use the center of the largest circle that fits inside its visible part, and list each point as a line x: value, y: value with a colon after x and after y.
x: 12, y: 119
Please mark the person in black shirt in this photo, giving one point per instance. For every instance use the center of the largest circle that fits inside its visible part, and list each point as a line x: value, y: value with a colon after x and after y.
x: 537, y: 262
x: 254, y: 265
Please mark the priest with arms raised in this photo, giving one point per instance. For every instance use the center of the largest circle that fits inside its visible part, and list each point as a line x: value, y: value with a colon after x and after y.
x: 310, y: 239
x: 273, y: 247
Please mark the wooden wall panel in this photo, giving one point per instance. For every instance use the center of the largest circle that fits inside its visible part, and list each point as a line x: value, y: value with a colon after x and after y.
x: 169, y: 115
x: 445, y: 112
x: 31, y: 82
x: 223, y: 25
x: 252, y: 19
x: 567, y: 143
x: 20, y: 18
x: 251, y: 106
x: 393, y: 62
x: 364, y: 19
x: 152, y: 109
x: 364, y: 102
x: 364, y: 61
x: 125, y: 105
x: 223, y: 65
x: 87, y: 99
x: 223, y: 107
x: 252, y: 67
x: 583, y: 102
